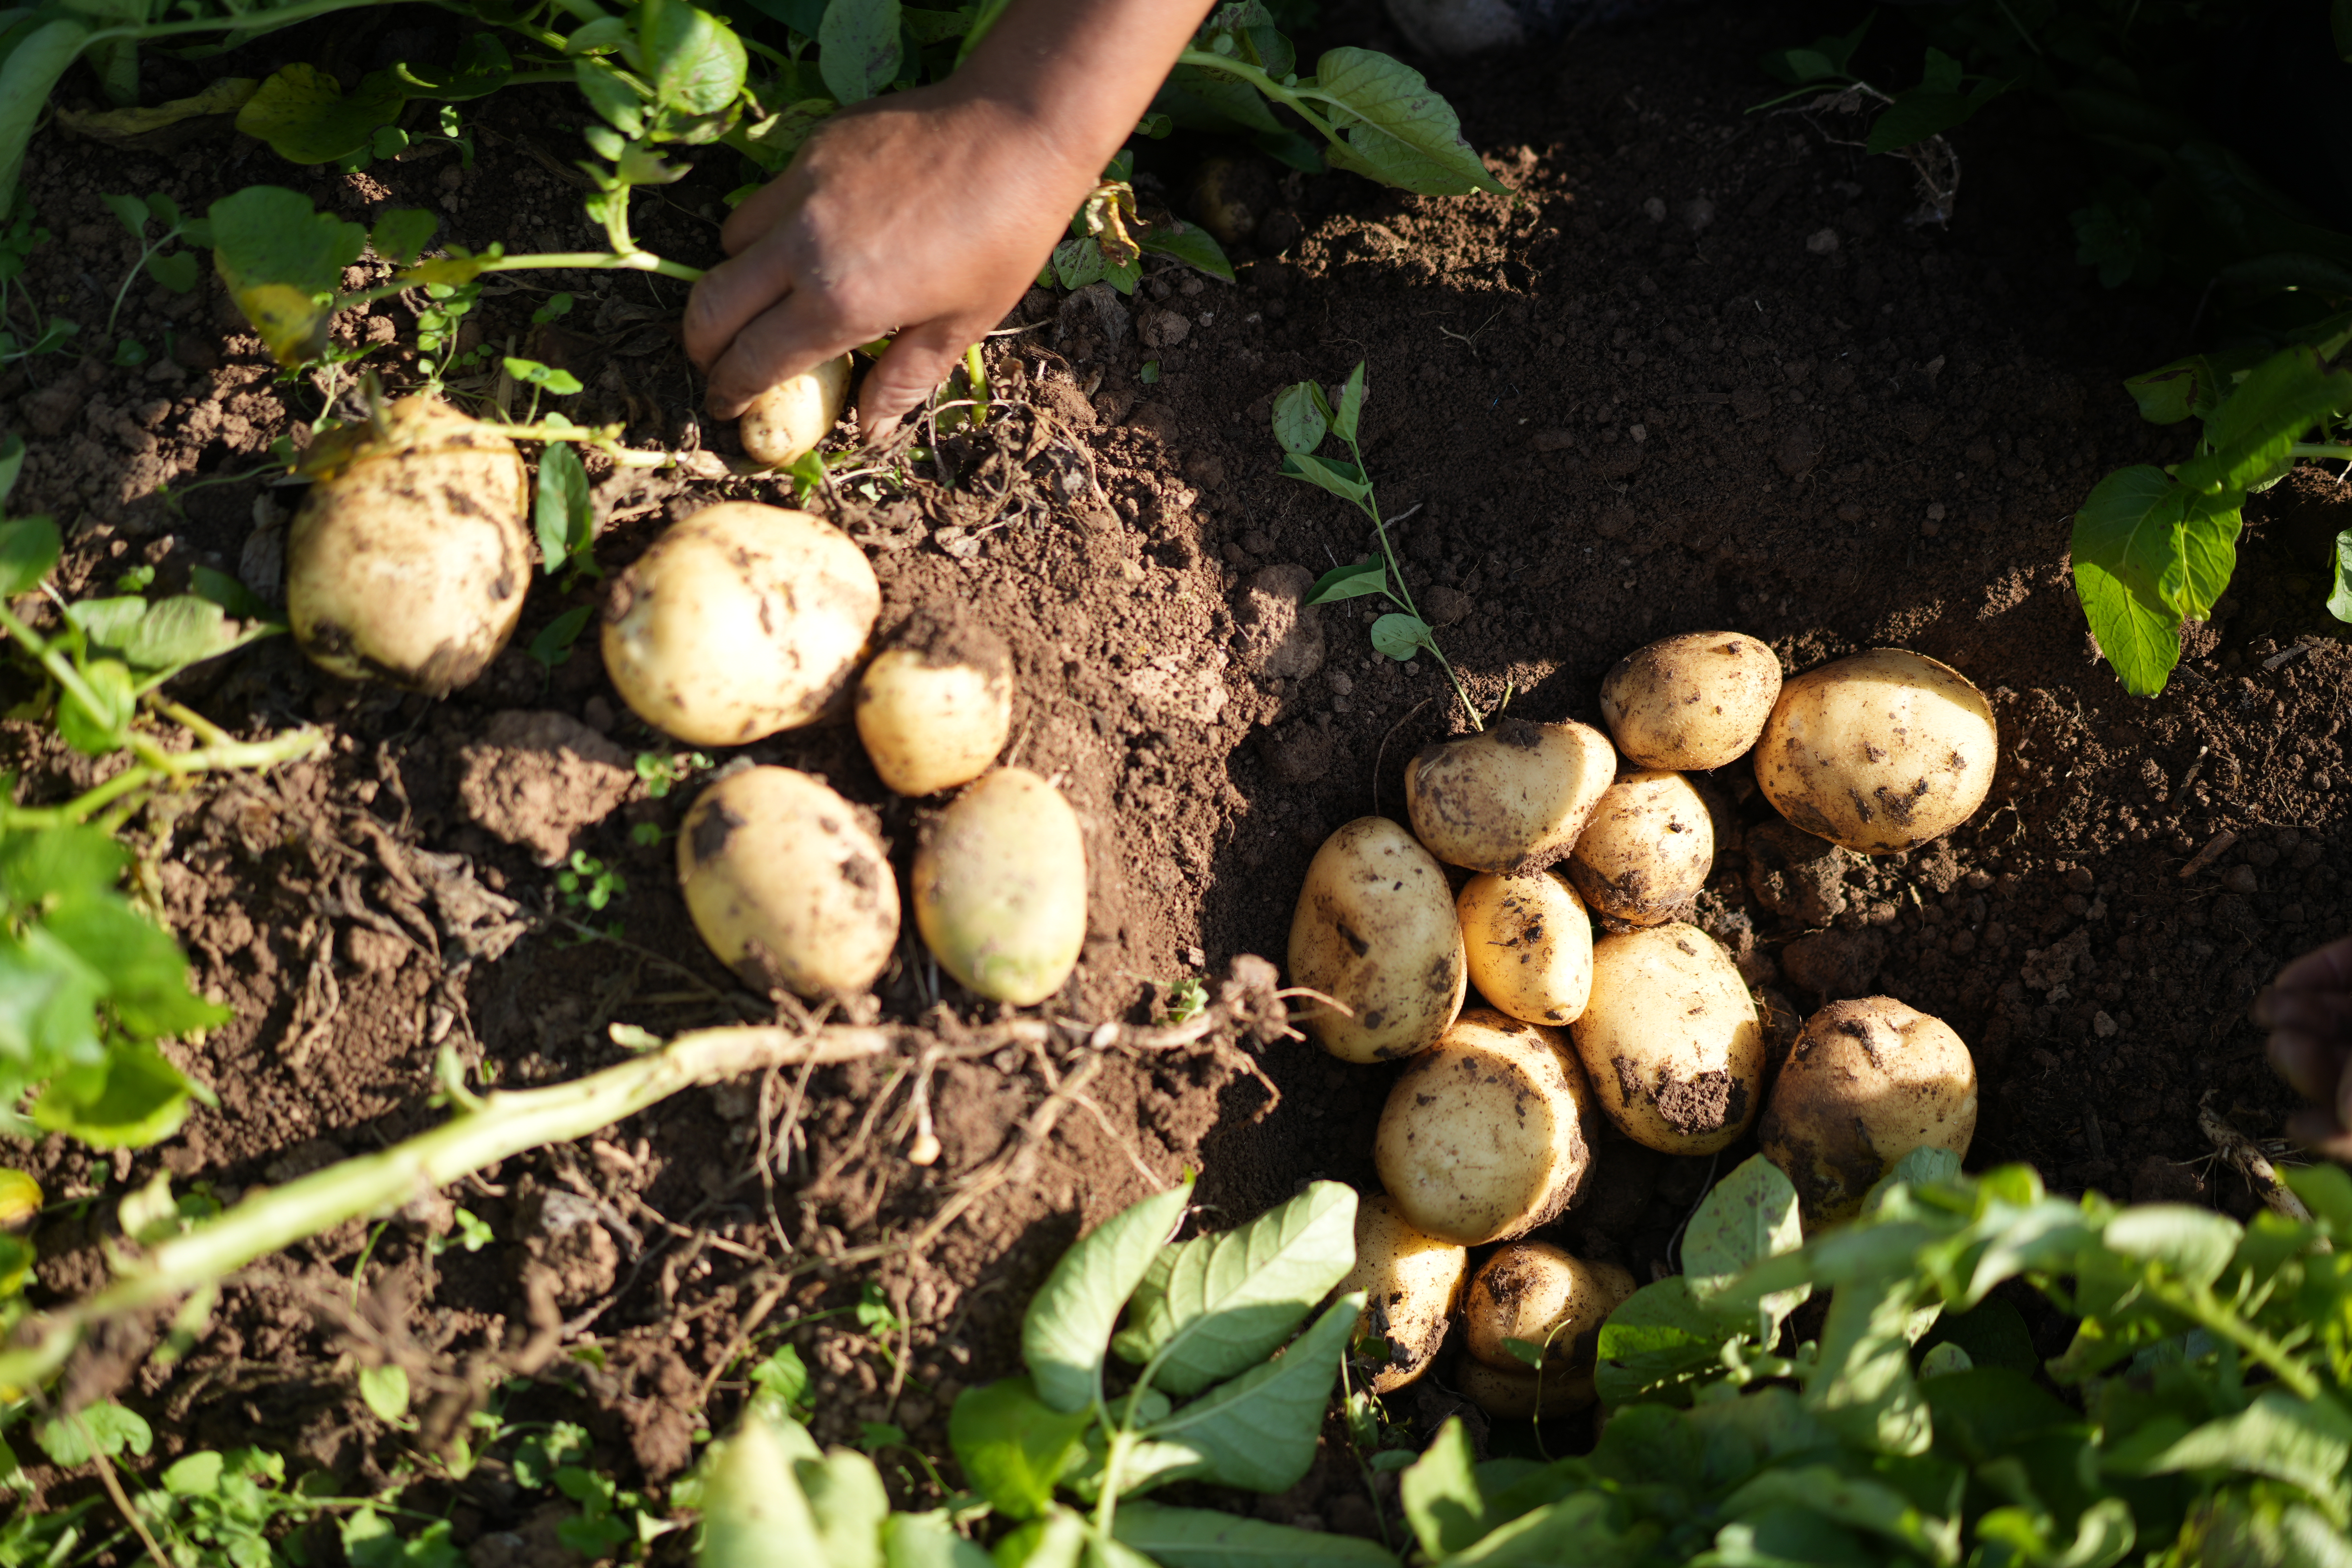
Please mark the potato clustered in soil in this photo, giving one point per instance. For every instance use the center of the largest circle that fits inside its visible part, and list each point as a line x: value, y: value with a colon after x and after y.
x: 1493, y: 1129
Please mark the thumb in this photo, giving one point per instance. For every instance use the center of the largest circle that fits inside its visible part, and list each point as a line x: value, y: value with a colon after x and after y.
x: 917, y: 360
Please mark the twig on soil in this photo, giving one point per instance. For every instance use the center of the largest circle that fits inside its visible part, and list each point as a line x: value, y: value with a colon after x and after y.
x: 2215, y: 847
x: 2240, y: 1152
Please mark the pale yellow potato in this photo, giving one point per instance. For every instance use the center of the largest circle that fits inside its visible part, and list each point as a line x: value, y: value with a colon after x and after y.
x: 1671, y: 1040
x: 1868, y: 1081
x: 1374, y: 931
x: 1880, y: 752
x: 935, y: 709
x: 740, y: 621
x: 1519, y: 1394
x: 1001, y: 888
x: 788, y: 884
x: 1528, y: 944
x: 1646, y: 852
x: 1691, y: 702
x: 790, y: 417
x: 1512, y: 798
x: 408, y: 561
x: 1486, y: 1136
x: 1543, y: 1295
x: 1411, y: 1282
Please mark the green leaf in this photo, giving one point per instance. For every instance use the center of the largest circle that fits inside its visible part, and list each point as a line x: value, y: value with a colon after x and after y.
x: 1258, y: 1431
x: 403, y: 232
x: 1576, y: 1530
x: 1826, y: 57
x: 71, y: 1439
x: 1195, y: 246
x: 60, y: 863
x: 1659, y: 1343
x: 695, y: 61
x: 1078, y: 262
x: 1299, y: 421
x: 1342, y: 480
x: 171, y: 634
x: 28, y: 552
x: 28, y: 74
x: 858, y: 48
x: 227, y: 592
x: 2175, y: 392
x: 553, y: 644
x: 385, y: 1390
x: 1750, y: 1215
x: 1352, y: 405
x: 754, y: 1514
x: 1067, y: 1328
x: 1207, y: 1538
x: 2126, y: 541
x: 1398, y: 128
x: 1442, y: 1498
x: 562, y: 515
x: 2306, y: 1443
x: 481, y: 68
x: 1860, y: 1383
x: 99, y: 730
x: 178, y: 271
x: 131, y: 1099
x: 1525, y: 1351
x: 1013, y: 1445
x: 198, y: 1475
x: 928, y: 1541
x: 613, y: 97
x: 845, y: 1494
x: 1401, y: 635
x: 1351, y: 582
x: 1852, y: 1501
x: 2326, y: 1190
x: 2252, y: 431
x: 282, y: 263
x: 1210, y: 1307
x: 146, y: 972
x: 2193, y: 1244
x: 12, y: 463
x: 301, y: 111
x: 1060, y: 1539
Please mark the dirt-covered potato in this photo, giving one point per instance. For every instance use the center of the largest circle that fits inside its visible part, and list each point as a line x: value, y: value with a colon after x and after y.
x: 791, y: 416
x: 1484, y: 1136
x: 1511, y: 798
x: 1540, y: 1295
x: 1528, y: 944
x: 1518, y: 1394
x: 1880, y: 752
x: 740, y: 621
x: 1410, y: 1281
x: 1867, y: 1081
x: 408, y: 561
x: 1671, y: 1040
x: 1375, y: 930
x: 935, y: 708
x: 1692, y: 702
x: 788, y: 884
x: 1001, y: 888
x: 1645, y: 854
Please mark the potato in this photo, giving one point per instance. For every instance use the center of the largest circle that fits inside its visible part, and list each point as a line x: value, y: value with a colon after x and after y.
x: 740, y: 621
x: 1539, y: 1294
x: 788, y: 884
x: 1485, y: 1137
x: 936, y: 708
x: 1866, y: 1082
x: 1693, y: 702
x: 1672, y: 1040
x: 1512, y: 798
x: 1375, y: 930
x: 1646, y: 853
x: 1528, y: 944
x: 1001, y: 888
x: 1411, y: 1282
x: 1519, y: 1394
x: 789, y: 419
x: 1880, y: 752
x: 408, y: 561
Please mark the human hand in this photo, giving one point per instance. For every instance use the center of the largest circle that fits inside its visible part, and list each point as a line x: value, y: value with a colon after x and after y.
x: 2308, y: 1011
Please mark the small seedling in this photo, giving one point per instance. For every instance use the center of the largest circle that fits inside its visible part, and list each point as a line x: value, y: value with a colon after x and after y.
x: 663, y: 772
x: 552, y: 646
x: 175, y: 270
x: 1187, y: 999
x: 588, y: 885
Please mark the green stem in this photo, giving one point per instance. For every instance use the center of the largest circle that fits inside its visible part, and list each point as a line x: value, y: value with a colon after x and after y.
x: 1106, y: 1505
x: 975, y: 375
x: 1295, y: 102
x: 250, y: 21
x: 2201, y: 1306
x: 2320, y: 449
x: 1403, y: 596
x: 615, y: 260
x: 60, y: 669
x: 157, y: 765
x: 507, y: 1125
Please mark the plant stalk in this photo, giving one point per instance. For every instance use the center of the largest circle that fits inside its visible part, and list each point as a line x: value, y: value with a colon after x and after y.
x: 1403, y: 596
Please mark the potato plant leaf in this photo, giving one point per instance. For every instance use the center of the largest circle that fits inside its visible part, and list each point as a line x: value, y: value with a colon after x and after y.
x: 1400, y: 636
x: 401, y: 233
x: 12, y: 463
x: 1750, y: 1215
x: 1342, y: 480
x: 28, y: 550
x: 1067, y: 1329
x: 481, y: 68
x: 28, y: 74
x: 1257, y: 1431
x: 1300, y: 422
x: 696, y: 62
x: 306, y: 117
x: 1209, y: 1538
x: 755, y: 1513
x: 929, y: 1541
x: 1013, y: 1445
x: 2126, y: 542
x: 1442, y: 1498
x: 1658, y: 1344
x: 130, y: 1099
x: 1195, y: 246
x: 1351, y: 582
x: 858, y: 48
x: 1396, y: 128
x: 282, y: 263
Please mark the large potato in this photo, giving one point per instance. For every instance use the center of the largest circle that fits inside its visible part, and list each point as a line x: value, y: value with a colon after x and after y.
x: 936, y: 707
x: 1519, y: 1394
x: 1410, y: 1281
x: 408, y: 561
x: 1540, y: 1295
x: 1671, y: 1040
x: 1528, y: 944
x: 1867, y: 1081
x: 787, y: 884
x: 1692, y: 702
x: 1511, y: 798
x: 1001, y: 888
x: 790, y: 417
x: 1880, y: 752
x: 1375, y: 930
x: 1646, y: 853
x: 740, y: 621
x: 1484, y: 1136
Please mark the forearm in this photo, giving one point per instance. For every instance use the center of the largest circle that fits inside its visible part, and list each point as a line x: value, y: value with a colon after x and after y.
x: 1082, y: 71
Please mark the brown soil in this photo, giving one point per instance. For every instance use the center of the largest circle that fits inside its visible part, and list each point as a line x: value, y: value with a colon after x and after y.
x: 1695, y: 374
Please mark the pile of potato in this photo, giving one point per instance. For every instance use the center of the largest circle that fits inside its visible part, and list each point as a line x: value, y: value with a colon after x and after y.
x: 1492, y: 1130
x: 408, y: 563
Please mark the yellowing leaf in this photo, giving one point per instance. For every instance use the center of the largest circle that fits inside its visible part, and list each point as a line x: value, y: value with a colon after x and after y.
x: 121, y: 126
x: 301, y: 111
x: 290, y: 321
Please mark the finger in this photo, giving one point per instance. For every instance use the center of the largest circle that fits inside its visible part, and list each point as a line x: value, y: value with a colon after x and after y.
x: 731, y: 295
x: 2316, y: 1131
x: 2327, y: 968
x: 765, y: 209
x: 2313, y: 1065
x: 798, y: 335
x: 917, y: 360
x: 2312, y: 1012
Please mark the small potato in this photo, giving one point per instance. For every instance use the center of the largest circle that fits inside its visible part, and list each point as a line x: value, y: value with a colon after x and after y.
x: 1411, y: 1282
x: 740, y: 621
x: 790, y: 417
x: 1693, y: 702
x: 1519, y: 1394
x: 1529, y: 946
x: 1001, y: 888
x: 408, y: 561
x: 788, y: 885
x: 1512, y: 798
x: 1485, y: 1137
x: 1880, y: 752
x: 1537, y: 1293
x: 1647, y: 851
x: 1866, y: 1082
x: 1375, y: 930
x: 935, y: 709
x: 1672, y: 1040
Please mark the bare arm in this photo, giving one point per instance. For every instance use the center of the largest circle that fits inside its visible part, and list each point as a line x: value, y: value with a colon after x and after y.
x: 928, y: 212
